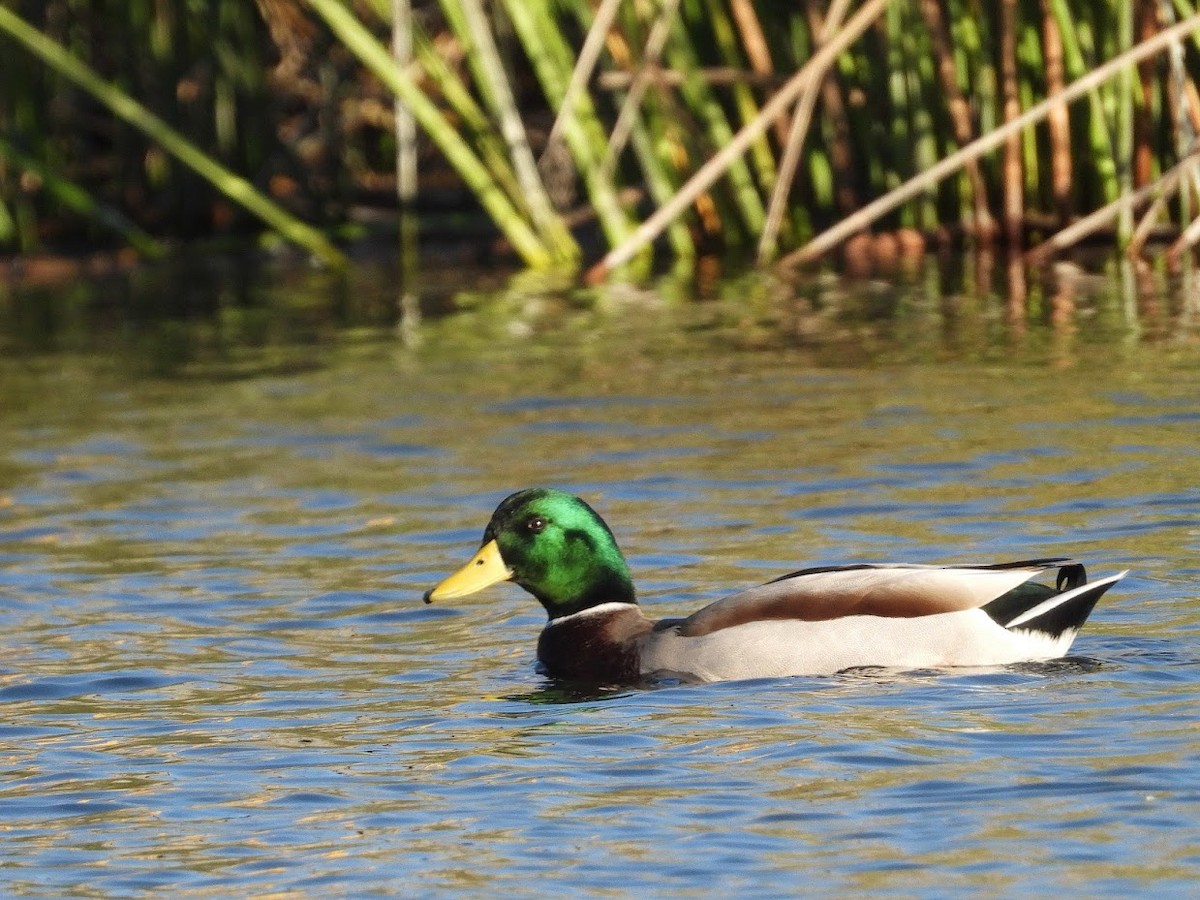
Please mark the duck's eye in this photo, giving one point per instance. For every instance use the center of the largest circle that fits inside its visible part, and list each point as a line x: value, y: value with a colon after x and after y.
x: 536, y: 525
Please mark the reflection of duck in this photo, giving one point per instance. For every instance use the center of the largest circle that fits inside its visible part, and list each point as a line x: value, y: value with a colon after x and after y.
x: 810, y: 622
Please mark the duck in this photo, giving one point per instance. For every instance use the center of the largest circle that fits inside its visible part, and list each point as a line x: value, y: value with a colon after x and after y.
x: 814, y: 621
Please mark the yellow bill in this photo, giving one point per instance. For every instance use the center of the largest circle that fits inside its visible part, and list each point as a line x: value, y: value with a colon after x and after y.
x: 485, y: 569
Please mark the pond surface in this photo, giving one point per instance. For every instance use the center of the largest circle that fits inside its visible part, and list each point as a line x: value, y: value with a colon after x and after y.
x: 217, y: 676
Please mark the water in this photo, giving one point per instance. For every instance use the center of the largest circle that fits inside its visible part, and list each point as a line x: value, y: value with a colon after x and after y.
x: 217, y: 677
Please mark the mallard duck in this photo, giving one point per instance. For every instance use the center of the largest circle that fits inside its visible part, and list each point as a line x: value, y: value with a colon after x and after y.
x: 811, y: 622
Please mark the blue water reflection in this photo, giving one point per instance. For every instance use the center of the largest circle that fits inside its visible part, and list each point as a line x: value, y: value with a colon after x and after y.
x: 217, y: 675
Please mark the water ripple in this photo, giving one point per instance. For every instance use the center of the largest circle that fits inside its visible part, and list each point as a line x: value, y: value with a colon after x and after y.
x: 217, y: 675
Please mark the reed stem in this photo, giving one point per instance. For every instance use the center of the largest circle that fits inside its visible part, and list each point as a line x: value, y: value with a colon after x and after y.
x: 990, y: 141
x: 233, y: 186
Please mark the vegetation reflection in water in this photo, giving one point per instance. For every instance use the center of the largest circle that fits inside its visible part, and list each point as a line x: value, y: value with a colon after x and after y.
x: 217, y: 675
x: 229, y: 318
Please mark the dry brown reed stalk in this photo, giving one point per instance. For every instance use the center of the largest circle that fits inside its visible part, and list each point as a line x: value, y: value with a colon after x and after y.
x: 589, y: 56
x: 984, y: 226
x: 767, y: 242
x: 1058, y: 121
x: 406, y: 123
x: 757, y: 52
x: 922, y: 182
x: 728, y: 155
x: 642, y: 79
x: 1013, y: 180
x: 1160, y: 190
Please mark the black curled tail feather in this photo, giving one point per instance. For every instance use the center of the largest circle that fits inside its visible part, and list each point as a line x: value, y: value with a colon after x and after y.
x: 1071, y: 576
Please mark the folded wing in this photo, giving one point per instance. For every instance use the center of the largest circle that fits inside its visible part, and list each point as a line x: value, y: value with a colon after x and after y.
x: 895, y: 591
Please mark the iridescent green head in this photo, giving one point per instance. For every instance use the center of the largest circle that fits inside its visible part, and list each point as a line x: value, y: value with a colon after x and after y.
x: 552, y: 544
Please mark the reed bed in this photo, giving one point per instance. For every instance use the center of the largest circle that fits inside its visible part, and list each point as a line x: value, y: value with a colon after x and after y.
x: 605, y: 128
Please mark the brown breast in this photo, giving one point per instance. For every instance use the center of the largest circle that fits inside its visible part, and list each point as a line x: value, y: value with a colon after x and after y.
x: 597, y: 645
